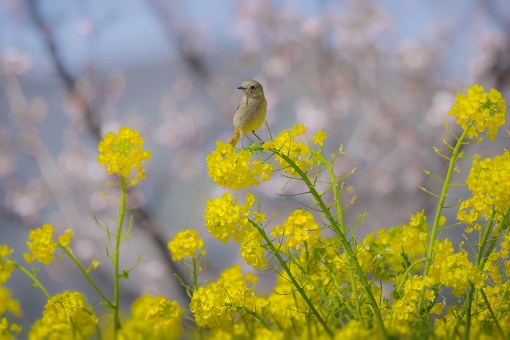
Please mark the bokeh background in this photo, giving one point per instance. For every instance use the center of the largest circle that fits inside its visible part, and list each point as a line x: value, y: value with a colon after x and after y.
x: 378, y: 76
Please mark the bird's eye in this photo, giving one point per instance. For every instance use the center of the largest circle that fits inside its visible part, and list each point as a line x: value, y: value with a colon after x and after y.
x: 252, y: 87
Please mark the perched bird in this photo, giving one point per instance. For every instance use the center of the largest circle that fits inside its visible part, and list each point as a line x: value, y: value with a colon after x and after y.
x: 251, y: 112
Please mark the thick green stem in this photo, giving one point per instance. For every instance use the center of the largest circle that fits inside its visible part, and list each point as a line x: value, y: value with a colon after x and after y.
x: 347, y: 246
x: 116, y: 292
x: 467, y: 328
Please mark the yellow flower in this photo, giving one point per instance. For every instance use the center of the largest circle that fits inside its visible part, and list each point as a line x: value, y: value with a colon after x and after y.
x: 299, y: 228
x: 442, y: 221
x: 119, y: 154
x: 153, y: 318
x: 7, y: 330
x: 482, y: 112
x: 291, y: 143
x: 234, y: 170
x: 252, y: 251
x: 225, y: 219
x: 8, y: 303
x: 454, y: 269
x: 216, y: 304
x: 185, y: 243
x: 65, y: 240
x: 319, y: 137
x: 6, y: 263
x: 489, y: 181
x: 42, y: 246
x: 62, y: 316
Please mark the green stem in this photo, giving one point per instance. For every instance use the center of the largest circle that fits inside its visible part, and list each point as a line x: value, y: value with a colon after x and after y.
x: 276, y: 252
x: 467, y: 328
x: 442, y: 198
x: 492, y: 314
x: 116, y: 292
x: 494, y: 239
x: 340, y: 219
x: 404, y: 276
x: 195, y: 276
x: 86, y: 275
x: 483, y: 241
x: 440, y: 206
x: 347, y: 247
x: 37, y: 283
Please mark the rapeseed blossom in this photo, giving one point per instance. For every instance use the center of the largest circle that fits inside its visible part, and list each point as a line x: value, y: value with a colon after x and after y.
x: 234, y: 170
x: 480, y: 111
x: 225, y: 219
x: 299, y: 228
x: 7, y: 329
x: 6, y: 264
x: 489, y: 182
x: 186, y: 243
x: 320, y: 137
x: 153, y: 318
x: 65, y: 317
x: 121, y: 153
x: 293, y: 143
x: 454, y: 269
x: 216, y: 304
x: 252, y: 250
x: 42, y: 246
x: 387, y: 254
x: 8, y: 303
x: 65, y: 239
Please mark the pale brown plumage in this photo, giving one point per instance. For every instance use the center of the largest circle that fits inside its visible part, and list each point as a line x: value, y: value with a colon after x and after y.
x: 251, y: 112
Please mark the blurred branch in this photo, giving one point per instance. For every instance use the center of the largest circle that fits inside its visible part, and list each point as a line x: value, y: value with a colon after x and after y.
x: 94, y: 125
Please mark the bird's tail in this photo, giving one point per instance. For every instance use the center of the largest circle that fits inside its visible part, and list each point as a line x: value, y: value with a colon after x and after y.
x: 235, y: 138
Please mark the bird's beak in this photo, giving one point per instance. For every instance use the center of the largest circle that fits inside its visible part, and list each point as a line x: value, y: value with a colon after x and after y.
x: 241, y: 88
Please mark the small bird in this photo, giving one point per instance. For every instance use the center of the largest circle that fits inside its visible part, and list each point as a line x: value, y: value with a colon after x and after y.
x: 251, y: 112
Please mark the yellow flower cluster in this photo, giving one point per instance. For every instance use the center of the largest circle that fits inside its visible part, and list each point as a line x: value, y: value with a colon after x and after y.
x: 186, y: 243
x: 64, y: 317
x: 153, y: 318
x: 404, y: 312
x: 386, y: 255
x: 294, y: 144
x: 479, y: 111
x: 42, y: 246
x: 354, y: 329
x: 405, y: 307
x: 454, y: 270
x: 7, y: 330
x: 490, y: 313
x: 299, y: 228
x: 8, y: 303
x: 251, y: 250
x: 6, y: 264
x: 233, y: 170
x: 225, y: 219
x: 216, y: 304
x: 489, y: 181
x: 119, y: 154
x: 65, y: 239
